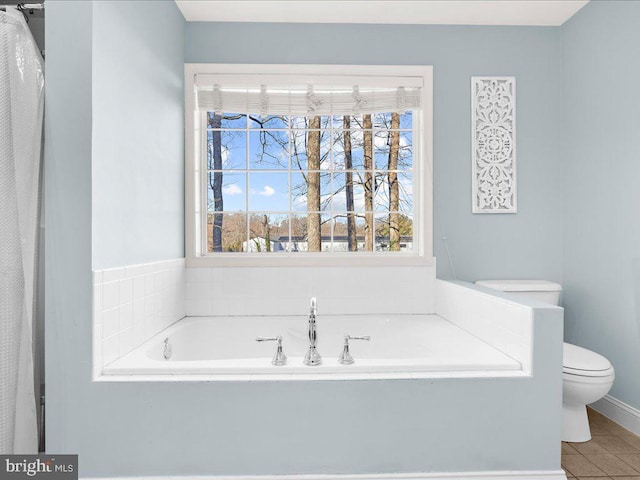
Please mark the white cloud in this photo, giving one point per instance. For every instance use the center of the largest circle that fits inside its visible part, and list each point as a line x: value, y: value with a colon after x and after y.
x: 380, y: 141
x: 300, y: 202
x: 298, y: 122
x: 267, y: 191
x: 231, y: 189
x: 406, y: 185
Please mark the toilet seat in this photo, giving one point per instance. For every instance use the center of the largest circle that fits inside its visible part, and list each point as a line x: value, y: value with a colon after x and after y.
x: 587, y: 373
x: 581, y: 362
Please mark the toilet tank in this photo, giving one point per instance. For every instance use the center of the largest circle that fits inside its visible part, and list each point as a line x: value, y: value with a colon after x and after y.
x: 540, y: 290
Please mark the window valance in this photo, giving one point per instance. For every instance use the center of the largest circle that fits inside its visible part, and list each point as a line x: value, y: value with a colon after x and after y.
x: 329, y: 96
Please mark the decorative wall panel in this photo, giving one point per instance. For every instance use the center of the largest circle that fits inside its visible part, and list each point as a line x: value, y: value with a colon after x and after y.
x: 493, y: 130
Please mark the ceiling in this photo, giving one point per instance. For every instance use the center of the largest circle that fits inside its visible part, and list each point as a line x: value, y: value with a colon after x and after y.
x: 424, y: 12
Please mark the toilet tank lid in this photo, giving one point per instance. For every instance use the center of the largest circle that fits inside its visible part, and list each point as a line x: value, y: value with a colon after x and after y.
x: 521, y: 285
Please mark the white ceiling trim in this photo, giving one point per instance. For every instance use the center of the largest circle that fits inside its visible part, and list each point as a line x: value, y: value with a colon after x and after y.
x: 421, y: 12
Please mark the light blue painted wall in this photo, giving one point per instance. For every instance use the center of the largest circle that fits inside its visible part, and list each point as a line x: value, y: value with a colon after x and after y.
x: 526, y: 245
x: 257, y: 428
x: 138, y: 141
x: 601, y: 152
x: 67, y: 197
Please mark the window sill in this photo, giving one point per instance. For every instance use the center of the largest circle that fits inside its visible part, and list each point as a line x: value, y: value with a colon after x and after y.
x: 309, y: 260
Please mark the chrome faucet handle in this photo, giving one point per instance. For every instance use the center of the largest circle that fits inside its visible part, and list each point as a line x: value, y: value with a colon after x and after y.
x: 345, y: 357
x: 349, y: 337
x: 279, y: 358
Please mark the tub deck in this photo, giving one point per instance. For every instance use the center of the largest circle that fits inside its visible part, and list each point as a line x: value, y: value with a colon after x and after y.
x: 403, y: 346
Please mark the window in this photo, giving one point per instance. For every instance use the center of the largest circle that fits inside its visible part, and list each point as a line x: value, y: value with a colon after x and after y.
x: 308, y: 164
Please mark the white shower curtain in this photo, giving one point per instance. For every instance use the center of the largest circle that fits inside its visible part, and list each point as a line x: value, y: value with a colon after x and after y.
x: 21, y: 109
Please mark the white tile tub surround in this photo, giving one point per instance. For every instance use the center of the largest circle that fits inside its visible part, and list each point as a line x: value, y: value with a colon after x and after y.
x: 502, y: 323
x: 223, y: 291
x: 131, y: 304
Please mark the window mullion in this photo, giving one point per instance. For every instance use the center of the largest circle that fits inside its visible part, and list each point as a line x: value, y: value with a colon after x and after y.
x: 204, y: 182
x: 290, y: 213
x: 331, y: 184
x: 247, y: 183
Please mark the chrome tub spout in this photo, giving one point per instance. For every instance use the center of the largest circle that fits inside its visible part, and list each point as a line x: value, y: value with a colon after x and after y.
x: 313, y: 357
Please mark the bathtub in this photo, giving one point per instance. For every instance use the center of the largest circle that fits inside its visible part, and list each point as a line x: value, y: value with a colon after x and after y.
x: 401, y: 346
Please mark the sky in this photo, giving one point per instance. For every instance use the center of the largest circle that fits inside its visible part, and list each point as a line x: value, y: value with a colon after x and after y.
x: 265, y: 185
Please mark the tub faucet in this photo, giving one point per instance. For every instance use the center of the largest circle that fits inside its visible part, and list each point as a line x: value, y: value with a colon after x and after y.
x: 279, y: 358
x: 312, y: 357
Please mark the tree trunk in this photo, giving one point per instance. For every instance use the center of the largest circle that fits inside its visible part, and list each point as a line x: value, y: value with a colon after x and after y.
x: 394, y: 188
x: 267, y: 233
x: 348, y: 165
x: 368, y: 183
x: 215, y: 121
x: 313, y: 186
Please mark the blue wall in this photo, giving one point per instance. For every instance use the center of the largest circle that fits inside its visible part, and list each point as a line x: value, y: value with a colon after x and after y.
x: 601, y: 157
x: 67, y: 198
x: 526, y: 245
x: 138, y: 124
x: 256, y: 428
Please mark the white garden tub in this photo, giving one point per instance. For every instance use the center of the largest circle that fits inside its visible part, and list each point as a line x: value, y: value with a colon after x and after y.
x: 401, y: 346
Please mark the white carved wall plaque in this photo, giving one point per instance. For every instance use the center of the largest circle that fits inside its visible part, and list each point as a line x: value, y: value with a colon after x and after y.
x: 493, y: 130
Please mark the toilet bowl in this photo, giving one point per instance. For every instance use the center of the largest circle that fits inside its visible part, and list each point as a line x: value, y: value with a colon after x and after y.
x: 586, y: 378
x: 586, y: 375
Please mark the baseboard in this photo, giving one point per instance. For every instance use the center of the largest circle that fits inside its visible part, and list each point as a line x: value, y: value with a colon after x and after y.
x: 508, y: 475
x: 624, y: 415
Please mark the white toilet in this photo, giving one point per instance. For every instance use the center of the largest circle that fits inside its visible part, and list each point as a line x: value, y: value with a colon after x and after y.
x: 586, y: 375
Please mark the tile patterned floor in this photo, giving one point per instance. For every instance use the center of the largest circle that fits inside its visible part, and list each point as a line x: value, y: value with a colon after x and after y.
x: 612, y: 453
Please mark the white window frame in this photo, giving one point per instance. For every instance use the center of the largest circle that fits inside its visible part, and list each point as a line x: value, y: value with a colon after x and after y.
x: 422, y: 253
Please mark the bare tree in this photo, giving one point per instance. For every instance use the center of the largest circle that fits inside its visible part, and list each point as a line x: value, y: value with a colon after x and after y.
x: 313, y: 186
x: 234, y: 232
x: 215, y: 180
x: 394, y: 190
x: 266, y: 231
x: 368, y: 182
x: 309, y: 155
x: 348, y: 165
x: 269, y: 138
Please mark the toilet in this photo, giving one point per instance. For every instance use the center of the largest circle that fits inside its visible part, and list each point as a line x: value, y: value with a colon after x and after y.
x: 586, y: 375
